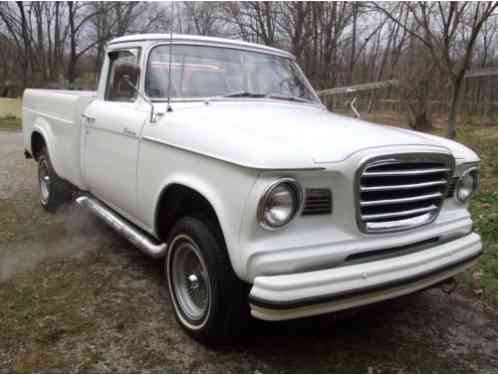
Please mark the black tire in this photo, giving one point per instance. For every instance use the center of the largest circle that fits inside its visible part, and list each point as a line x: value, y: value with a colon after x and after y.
x: 53, y: 190
x: 226, y: 316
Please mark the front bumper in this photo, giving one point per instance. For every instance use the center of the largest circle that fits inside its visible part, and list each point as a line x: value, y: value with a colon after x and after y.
x: 304, y: 294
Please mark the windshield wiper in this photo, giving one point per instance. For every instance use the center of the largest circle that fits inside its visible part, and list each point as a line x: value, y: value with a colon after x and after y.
x: 247, y: 94
x: 244, y: 94
x: 288, y: 97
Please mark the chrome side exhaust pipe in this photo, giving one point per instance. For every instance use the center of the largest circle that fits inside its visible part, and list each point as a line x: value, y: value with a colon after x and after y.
x: 144, y: 242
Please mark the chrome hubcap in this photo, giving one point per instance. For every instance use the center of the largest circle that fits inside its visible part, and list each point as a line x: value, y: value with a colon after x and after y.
x: 190, y: 280
x: 44, y: 179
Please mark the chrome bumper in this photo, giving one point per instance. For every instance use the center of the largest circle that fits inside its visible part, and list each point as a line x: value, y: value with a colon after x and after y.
x: 304, y: 294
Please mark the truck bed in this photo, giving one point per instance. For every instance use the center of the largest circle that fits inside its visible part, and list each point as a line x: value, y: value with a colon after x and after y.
x: 56, y: 115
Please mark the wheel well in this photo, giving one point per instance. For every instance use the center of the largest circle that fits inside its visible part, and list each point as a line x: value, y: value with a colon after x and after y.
x: 37, y: 144
x: 179, y: 200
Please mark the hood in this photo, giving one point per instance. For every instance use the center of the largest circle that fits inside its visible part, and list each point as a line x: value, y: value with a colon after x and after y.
x: 279, y: 135
x: 461, y: 153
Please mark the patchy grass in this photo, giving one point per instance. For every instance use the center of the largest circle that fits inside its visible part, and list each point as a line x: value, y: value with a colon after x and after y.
x: 10, y: 123
x: 484, y: 207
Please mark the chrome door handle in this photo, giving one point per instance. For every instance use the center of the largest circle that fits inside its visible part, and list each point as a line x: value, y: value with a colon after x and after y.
x: 89, y: 119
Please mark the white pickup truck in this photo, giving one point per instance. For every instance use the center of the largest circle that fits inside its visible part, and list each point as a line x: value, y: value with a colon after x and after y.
x: 217, y: 156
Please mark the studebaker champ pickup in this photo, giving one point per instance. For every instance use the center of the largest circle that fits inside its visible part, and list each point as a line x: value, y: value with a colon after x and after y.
x: 218, y: 157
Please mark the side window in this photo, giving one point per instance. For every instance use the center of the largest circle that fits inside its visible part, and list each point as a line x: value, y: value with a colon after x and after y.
x: 124, y: 65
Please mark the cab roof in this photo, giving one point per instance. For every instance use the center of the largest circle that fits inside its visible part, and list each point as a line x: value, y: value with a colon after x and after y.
x: 197, y: 39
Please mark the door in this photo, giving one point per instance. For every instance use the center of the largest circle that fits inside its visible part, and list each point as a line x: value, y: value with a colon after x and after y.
x: 112, y: 130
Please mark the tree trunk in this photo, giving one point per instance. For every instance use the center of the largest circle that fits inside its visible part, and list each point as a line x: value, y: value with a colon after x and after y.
x: 71, y: 67
x: 57, y: 57
x: 352, y: 56
x: 455, y: 95
x: 26, y: 61
x: 422, y: 122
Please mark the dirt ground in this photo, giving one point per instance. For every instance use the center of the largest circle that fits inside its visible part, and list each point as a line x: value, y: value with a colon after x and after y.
x: 74, y: 297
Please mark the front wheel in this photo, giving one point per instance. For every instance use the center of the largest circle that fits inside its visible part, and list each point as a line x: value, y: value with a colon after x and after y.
x: 209, y: 301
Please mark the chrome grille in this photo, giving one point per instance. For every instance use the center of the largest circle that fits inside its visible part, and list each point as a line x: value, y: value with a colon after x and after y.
x: 400, y: 192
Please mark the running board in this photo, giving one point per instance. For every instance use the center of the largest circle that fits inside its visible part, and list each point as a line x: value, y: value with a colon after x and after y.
x: 144, y: 242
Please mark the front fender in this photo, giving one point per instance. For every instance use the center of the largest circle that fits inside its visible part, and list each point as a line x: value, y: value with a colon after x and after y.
x: 227, y: 195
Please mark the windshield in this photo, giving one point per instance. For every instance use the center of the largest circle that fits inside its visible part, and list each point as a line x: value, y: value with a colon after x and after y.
x: 203, y: 71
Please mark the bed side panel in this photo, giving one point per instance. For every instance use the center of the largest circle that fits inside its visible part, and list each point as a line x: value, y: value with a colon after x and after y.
x: 56, y: 114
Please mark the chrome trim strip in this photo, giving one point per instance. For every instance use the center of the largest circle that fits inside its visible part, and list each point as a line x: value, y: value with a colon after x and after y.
x: 461, y: 168
x: 400, y: 200
x: 164, y: 143
x: 406, y: 173
x: 409, y: 223
x: 403, y: 187
x: 400, y: 213
x: 219, y: 44
x: 124, y: 133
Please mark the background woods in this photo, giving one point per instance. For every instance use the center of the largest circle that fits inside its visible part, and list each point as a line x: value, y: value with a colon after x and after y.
x: 429, y: 48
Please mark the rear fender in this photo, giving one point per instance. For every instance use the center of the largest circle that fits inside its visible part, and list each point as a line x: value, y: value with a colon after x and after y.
x: 43, y: 127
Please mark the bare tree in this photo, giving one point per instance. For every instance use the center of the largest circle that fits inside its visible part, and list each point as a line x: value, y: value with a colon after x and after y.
x: 204, y: 16
x: 294, y: 24
x: 336, y: 43
x: 111, y: 20
x: 91, y: 25
x: 354, y: 35
x: 331, y: 21
x: 15, y: 20
x: 449, y: 31
x: 55, y: 35
x: 256, y: 21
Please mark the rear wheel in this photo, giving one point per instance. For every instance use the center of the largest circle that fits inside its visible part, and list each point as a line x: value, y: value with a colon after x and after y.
x: 53, y: 190
x: 210, y: 302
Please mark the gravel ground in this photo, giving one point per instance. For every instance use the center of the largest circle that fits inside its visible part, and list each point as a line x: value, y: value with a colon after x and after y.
x: 76, y: 298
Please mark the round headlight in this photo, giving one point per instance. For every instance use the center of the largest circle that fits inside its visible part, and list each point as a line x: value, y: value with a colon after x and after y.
x: 467, y: 185
x: 279, y: 204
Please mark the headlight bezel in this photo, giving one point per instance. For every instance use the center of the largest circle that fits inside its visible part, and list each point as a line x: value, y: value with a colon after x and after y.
x: 262, y: 204
x: 476, y: 181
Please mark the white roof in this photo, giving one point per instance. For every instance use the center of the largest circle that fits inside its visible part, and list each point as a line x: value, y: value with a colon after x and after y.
x: 198, y: 39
